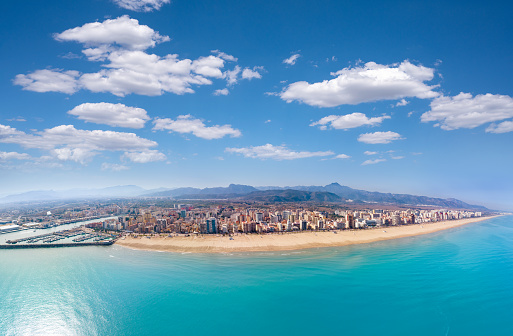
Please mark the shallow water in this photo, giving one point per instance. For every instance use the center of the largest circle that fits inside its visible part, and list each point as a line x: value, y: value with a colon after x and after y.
x: 453, y: 282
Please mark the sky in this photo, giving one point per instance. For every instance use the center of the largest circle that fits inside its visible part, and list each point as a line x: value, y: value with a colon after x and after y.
x: 392, y: 96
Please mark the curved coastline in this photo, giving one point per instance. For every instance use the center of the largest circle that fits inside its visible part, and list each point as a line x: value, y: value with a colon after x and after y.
x: 286, y: 241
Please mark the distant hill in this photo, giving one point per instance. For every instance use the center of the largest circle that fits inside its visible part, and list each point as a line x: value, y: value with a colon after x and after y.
x: 289, y: 195
x: 46, y: 195
x: 325, y: 193
x: 39, y: 195
x: 388, y: 198
x: 232, y: 189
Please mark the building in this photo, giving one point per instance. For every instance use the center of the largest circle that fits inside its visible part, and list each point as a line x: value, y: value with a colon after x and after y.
x: 211, y: 225
x: 349, y: 221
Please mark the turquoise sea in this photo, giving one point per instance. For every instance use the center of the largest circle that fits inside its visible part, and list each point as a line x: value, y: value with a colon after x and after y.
x: 454, y: 282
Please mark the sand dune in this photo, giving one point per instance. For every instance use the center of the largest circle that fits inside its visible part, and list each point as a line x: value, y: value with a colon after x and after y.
x: 285, y: 241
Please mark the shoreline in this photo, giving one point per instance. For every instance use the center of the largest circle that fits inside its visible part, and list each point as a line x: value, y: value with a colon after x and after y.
x: 286, y: 241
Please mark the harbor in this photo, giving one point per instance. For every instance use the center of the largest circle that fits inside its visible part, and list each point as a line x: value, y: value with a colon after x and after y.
x: 70, y: 235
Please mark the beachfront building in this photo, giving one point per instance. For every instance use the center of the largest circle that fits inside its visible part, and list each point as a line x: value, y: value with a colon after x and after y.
x: 211, y: 225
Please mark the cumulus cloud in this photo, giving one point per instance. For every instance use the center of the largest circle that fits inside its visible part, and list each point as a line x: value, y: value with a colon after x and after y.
x: 80, y: 155
x: 292, y: 59
x: 232, y: 75
x: 7, y: 132
x: 342, y: 156
x: 145, y: 74
x: 141, y: 5
x: 187, y: 124
x: 371, y: 82
x: 370, y: 153
x: 144, y: 156
x: 349, y: 121
x: 221, y: 92
x: 113, y: 167
x: 121, y: 32
x: 127, y: 68
x: 466, y: 111
x: 49, y: 80
x: 402, y: 102
x: 247, y: 73
x: 369, y: 162
x: 272, y: 152
x: 67, y: 143
x: 6, y: 156
x: 111, y: 114
x: 208, y: 66
x: 503, y: 127
x: 379, y: 137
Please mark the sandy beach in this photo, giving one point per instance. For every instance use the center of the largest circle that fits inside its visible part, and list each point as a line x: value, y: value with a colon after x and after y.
x: 285, y: 241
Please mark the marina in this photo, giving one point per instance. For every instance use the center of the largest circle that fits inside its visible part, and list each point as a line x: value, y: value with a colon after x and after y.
x: 80, y: 236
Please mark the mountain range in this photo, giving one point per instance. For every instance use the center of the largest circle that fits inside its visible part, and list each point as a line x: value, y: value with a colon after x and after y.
x: 333, y: 192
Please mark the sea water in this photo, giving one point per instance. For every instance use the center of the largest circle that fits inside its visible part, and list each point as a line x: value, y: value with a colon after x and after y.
x: 453, y: 282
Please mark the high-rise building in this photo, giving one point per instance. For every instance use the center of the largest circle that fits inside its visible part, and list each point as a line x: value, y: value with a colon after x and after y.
x: 211, y: 225
x: 349, y: 221
x: 396, y: 220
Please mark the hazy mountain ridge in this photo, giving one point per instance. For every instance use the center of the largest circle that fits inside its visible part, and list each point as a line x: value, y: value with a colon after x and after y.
x: 246, y: 192
x: 290, y: 195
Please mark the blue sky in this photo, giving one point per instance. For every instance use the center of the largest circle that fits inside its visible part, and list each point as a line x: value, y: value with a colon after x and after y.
x: 404, y: 97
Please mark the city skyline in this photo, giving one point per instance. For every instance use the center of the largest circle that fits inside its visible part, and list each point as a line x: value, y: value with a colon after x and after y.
x: 385, y: 97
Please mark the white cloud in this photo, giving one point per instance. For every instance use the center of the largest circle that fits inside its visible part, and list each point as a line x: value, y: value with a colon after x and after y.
x: 49, y: 80
x: 402, y: 102
x: 292, y: 59
x: 369, y: 162
x: 81, y: 155
x: 121, y: 32
x: 371, y: 82
x: 8, y: 132
x: 19, y: 119
x: 269, y: 151
x: 144, y: 156
x: 224, y: 56
x: 148, y: 74
x: 67, y: 143
x: 187, y: 124
x: 231, y: 75
x: 221, y: 92
x: 465, y: 111
x: 111, y: 114
x: 127, y: 68
x: 113, y: 167
x: 370, y: 153
x: 397, y: 157
x: 349, y: 121
x: 503, y: 127
x: 342, y: 156
x: 247, y: 73
x: 208, y: 66
x: 141, y: 5
x: 379, y: 137
x: 5, y: 156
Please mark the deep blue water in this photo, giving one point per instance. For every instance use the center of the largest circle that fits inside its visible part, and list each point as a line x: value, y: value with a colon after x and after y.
x: 454, y: 282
